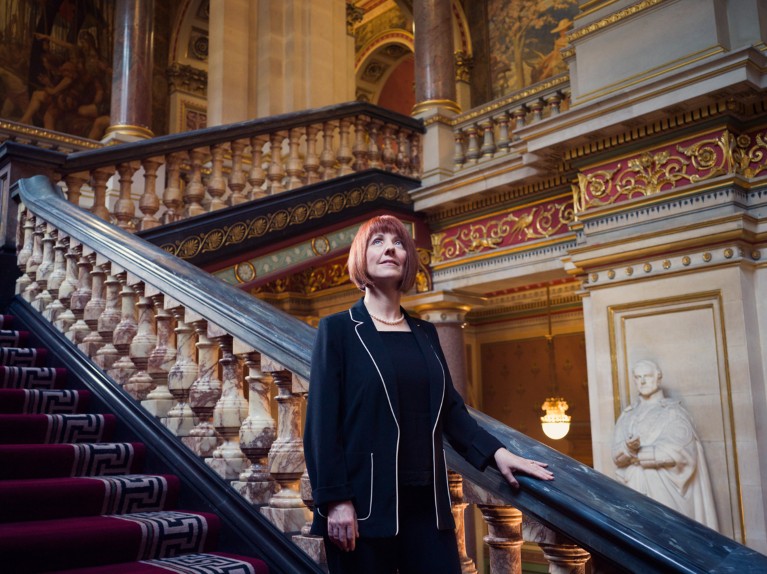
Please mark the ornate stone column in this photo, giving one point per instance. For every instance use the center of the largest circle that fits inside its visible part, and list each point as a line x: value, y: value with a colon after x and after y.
x: 435, y: 92
x: 435, y: 81
x: 131, y: 112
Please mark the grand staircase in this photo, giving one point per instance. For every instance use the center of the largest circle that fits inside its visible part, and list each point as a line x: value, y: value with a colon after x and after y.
x: 73, y: 497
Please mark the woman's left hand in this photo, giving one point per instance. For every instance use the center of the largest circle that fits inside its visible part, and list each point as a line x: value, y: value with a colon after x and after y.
x: 508, y: 463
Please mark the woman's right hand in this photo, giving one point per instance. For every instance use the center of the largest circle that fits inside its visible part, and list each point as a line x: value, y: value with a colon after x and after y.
x: 342, y: 525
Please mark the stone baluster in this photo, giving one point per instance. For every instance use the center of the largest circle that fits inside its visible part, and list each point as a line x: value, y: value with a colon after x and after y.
x: 455, y: 482
x: 172, y: 197
x: 80, y: 298
x: 231, y: 409
x: 286, y: 510
x: 459, y: 156
x: 93, y: 341
x: 257, y: 175
x: 66, y: 318
x: 183, y: 373
x: 75, y: 183
x: 149, y: 202
x: 504, y: 524
x: 473, y: 151
x: 57, y: 277
x: 388, y: 155
x: 123, y: 368
x: 216, y: 181
x: 312, y: 545
x: 374, y: 152
x: 125, y: 208
x: 415, y: 155
x: 195, y: 191
x: 161, y: 359
x: 294, y: 168
x: 504, y: 136
x: 204, y: 394
x: 312, y: 160
x: 36, y: 258
x: 276, y: 171
x: 554, y: 103
x: 488, y: 138
x: 34, y: 261
x: 43, y: 298
x: 28, y: 229
x: 536, y: 108
x: 257, y: 433
x: 520, y: 115
x: 565, y: 557
x: 360, y: 148
x: 403, y: 152
x: 99, y: 179
x: 345, y: 156
x: 328, y: 156
x: 108, y: 321
x: 237, y: 176
x: 140, y: 383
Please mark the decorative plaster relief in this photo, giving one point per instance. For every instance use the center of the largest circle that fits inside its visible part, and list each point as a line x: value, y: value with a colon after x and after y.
x: 672, y: 167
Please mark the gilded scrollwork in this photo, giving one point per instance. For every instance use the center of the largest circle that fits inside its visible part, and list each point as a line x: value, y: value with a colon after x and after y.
x: 750, y: 154
x: 516, y: 227
x: 276, y: 221
x: 654, y: 171
x: 308, y: 281
x: 423, y: 280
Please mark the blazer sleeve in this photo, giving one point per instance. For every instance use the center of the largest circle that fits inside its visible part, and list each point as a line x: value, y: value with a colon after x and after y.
x: 469, y: 440
x: 323, y: 437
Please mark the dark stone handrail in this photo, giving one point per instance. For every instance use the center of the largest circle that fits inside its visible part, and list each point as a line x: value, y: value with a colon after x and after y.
x: 626, y: 529
x: 163, y: 145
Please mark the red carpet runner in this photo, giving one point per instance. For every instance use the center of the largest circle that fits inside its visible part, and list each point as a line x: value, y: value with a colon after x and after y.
x: 73, y: 501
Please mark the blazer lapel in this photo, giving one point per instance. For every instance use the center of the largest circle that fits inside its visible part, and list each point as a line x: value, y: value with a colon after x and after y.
x: 378, y: 355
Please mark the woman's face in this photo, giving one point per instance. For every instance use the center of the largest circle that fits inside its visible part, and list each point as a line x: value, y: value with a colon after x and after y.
x: 385, y: 258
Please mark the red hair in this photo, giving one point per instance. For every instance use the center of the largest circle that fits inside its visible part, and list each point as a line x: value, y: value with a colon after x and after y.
x: 358, y: 272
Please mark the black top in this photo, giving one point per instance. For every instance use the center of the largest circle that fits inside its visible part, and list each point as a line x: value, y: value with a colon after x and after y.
x: 415, y: 456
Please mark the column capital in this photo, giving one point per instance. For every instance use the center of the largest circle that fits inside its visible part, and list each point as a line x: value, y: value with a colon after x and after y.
x: 442, y: 306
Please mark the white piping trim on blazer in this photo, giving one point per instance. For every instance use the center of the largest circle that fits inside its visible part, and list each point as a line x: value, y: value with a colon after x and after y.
x: 433, y: 431
x: 388, y: 398
x: 370, y: 509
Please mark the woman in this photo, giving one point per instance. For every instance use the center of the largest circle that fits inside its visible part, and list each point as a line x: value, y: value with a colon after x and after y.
x: 380, y: 401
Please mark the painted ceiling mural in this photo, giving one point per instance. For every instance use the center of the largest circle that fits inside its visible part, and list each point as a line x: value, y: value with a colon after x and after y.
x: 55, y: 64
x: 526, y: 37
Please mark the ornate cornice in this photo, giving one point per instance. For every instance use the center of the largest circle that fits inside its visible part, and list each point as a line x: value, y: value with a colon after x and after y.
x: 185, y: 78
x: 31, y: 135
x: 580, y: 33
x: 283, y: 218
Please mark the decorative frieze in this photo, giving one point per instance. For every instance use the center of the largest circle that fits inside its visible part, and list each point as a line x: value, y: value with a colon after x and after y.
x: 513, y: 227
x: 672, y: 167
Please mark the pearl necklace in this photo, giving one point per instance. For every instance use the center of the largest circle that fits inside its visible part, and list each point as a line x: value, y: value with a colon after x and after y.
x: 390, y: 323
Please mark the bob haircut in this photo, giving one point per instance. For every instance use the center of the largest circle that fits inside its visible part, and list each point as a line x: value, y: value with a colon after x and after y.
x: 358, y: 272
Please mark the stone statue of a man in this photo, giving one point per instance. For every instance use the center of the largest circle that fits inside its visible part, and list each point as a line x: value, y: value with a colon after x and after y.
x: 658, y: 453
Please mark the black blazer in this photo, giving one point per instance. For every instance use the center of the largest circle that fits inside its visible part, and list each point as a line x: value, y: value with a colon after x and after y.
x: 351, y: 440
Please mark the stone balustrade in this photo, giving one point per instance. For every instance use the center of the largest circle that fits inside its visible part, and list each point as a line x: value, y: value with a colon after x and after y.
x: 191, y: 373
x: 142, y: 185
x: 490, y: 132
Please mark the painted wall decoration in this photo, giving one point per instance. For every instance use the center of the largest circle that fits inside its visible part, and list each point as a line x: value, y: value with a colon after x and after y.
x: 526, y: 37
x: 55, y: 64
